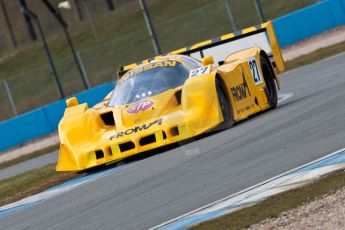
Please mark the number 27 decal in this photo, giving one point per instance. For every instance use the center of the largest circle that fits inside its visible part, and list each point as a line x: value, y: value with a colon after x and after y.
x: 199, y: 71
x: 254, y: 69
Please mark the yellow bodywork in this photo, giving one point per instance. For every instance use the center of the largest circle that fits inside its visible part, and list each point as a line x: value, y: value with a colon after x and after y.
x: 87, y: 141
x: 82, y: 132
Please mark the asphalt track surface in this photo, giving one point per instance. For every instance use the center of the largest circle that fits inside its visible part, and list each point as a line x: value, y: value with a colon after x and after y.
x: 29, y: 165
x: 305, y: 127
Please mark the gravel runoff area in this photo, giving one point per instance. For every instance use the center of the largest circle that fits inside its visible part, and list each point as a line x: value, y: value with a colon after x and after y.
x: 307, y: 46
x: 327, y: 212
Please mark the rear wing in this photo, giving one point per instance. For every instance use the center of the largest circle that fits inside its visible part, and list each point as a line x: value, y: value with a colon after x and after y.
x: 262, y: 36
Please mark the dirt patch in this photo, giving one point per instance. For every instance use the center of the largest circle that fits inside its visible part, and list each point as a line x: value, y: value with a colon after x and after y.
x: 325, y: 213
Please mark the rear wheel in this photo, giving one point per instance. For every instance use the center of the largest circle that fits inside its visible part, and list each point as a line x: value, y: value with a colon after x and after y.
x: 271, y: 89
x: 223, y: 101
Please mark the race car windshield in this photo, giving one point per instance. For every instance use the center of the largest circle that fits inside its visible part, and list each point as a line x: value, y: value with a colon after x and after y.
x: 148, y: 81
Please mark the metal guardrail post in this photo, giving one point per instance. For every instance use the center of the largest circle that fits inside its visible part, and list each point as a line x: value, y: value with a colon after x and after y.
x: 91, y: 22
x: 50, y: 61
x: 28, y: 21
x: 259, y: 10
x: 150, y: 28
x: 230, y: 15
x: 83, y: 70
x: 55, y: 11
x: 10, y: 97
x: 8, y: 24
x: 52, y: 68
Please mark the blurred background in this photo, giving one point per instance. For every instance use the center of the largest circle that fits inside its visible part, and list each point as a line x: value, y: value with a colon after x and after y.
x: 106, y: 34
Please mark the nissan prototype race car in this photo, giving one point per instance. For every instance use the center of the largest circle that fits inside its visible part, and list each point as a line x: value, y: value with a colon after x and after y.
x: 174, y: 97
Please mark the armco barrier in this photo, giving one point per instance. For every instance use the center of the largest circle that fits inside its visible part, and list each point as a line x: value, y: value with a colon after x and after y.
x: 44, y: 120
x: 309, y: 21
x: 290, y: 29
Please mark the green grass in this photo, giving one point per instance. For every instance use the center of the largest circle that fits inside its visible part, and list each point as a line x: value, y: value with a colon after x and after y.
x: 120, y: 37
x: 32, y: 182
x: 277, y: 204
x: 30, y: 156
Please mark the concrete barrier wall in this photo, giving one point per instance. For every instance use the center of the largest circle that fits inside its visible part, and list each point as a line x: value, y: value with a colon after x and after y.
x: 290, y: 29
x: 44, y: 120
x: 309, y: 21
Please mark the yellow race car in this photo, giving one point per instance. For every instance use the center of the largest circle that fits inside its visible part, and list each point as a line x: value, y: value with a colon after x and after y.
x: 174, y: 97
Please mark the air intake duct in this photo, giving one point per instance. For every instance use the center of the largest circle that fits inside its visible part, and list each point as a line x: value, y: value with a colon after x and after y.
x: 108, y: 118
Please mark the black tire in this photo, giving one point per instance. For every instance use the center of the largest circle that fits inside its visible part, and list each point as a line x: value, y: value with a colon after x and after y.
x: 223, y: 102
x: 271, y: 89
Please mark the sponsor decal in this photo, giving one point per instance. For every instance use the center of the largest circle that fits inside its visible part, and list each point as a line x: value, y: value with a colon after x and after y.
x: 137, y: 129
x: 140, y: 106
x: 136, y: 71
x: 239, y: 92
x: 246, y: 108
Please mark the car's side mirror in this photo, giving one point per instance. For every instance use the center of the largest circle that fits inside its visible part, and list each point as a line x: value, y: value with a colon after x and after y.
x: 72, y: 102
x: 208, y: 60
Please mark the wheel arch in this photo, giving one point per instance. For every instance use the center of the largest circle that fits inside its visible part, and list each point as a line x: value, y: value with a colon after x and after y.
x: 220, y: 79
x: 277, y: 81
x: 227, y: 94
